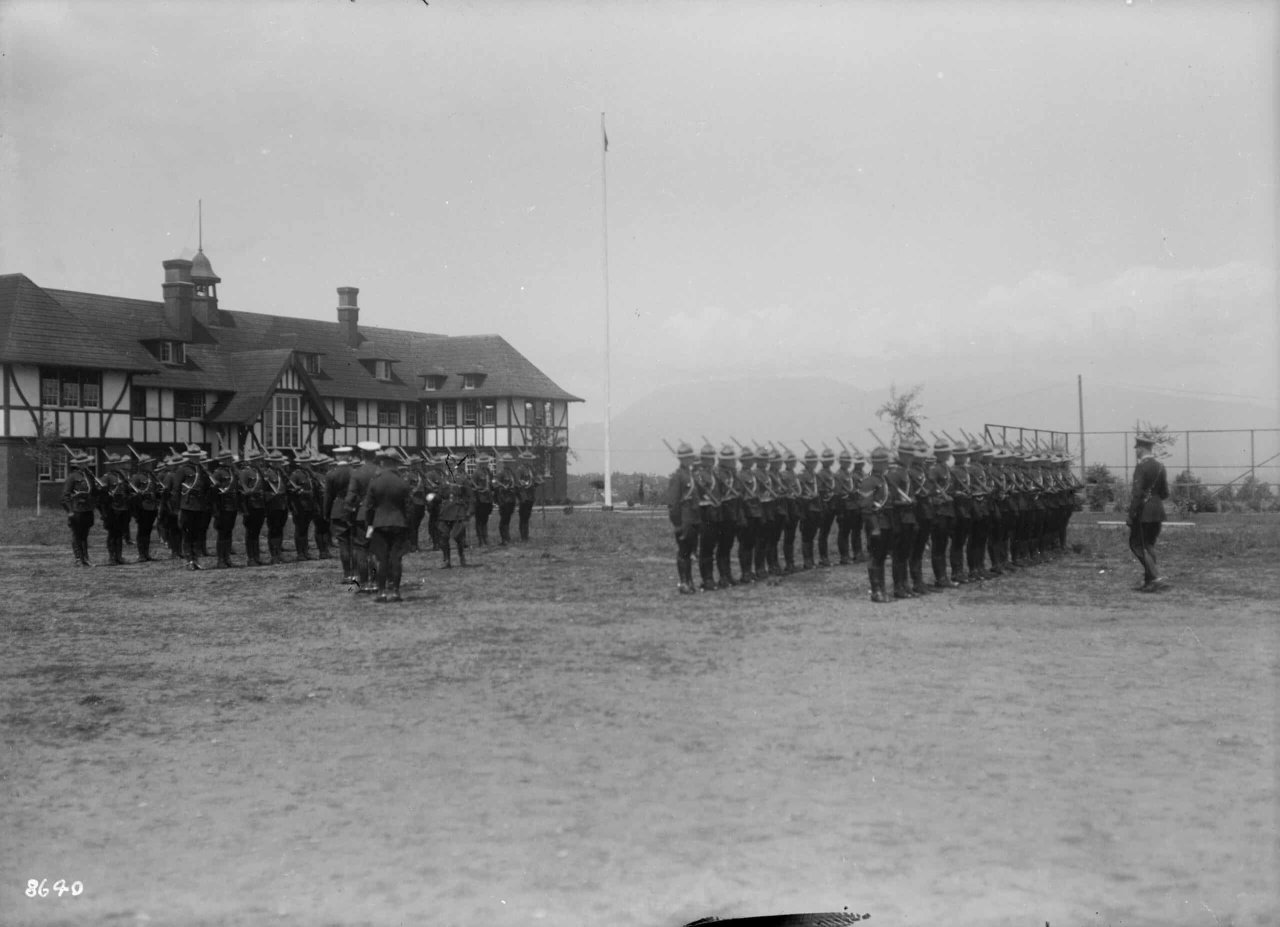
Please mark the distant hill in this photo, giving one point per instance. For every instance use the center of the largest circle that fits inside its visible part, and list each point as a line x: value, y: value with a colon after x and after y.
x: 821, y: 410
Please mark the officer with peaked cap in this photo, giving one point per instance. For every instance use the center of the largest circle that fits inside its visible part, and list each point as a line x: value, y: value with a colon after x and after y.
x: 78, y: 492
x: 1146, y: 510
x: 682, y: 511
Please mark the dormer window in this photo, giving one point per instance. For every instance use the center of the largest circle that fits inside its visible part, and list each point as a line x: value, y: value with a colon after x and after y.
x: 472, y: 380
x: 311, y: 363
x: 432, y: 383
x: 173, y: 352
x: 382, y: 369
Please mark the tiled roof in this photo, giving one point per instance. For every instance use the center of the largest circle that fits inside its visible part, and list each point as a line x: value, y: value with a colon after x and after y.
x: 35, y: 328
x: 245, y: 353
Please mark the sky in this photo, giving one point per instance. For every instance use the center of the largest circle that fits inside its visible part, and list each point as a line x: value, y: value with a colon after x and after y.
x: 876, y: 192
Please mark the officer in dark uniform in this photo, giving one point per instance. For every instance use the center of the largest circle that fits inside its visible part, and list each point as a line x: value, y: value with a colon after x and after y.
x: 924, y: 511
x: 1146, y: 510
x: 962, y: 498
x: 875, y: 501
x: 938, y: 475
x: 252, y: 498
x: 226, y: 505
x: 506, y: 497
x: 414, y: 476
x: 766, y: 550
x: 386, y: 507
x: 357, y: 515
x: 170, y: 503
x: 684, y: 515
x: 321, y: 466
x: 79, y: 490
x: 979, y: 519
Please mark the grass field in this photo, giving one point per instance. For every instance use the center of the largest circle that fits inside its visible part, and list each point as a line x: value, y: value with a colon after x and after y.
x: 554, y: 736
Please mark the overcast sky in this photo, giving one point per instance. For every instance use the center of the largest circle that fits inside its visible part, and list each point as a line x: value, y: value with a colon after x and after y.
x: 869, y: 191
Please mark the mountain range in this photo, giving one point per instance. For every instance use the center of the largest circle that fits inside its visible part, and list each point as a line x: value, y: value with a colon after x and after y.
x: 822, y: 411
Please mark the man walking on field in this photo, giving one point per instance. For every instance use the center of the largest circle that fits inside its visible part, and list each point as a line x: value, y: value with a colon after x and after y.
x: 1146, y: 510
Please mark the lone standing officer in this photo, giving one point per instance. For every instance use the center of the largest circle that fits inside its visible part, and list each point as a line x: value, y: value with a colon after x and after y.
x: 682, y: 510
x: 1146, y: 510
x: 78, y: 491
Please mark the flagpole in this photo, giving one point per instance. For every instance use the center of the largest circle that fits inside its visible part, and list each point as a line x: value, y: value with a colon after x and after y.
x: 604, y: 199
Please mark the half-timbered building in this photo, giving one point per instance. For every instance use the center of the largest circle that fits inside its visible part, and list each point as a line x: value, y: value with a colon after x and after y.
x: 108, y: 374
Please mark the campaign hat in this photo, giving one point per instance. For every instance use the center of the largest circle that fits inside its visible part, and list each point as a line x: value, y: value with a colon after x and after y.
x: 193, y: 452
x: 224, y: 456
x: 880, y: 455
x: 79, y: 459
x: 846, y: 455
x: 726, y: 454
x: 828, y: 455
x: 941, y: 447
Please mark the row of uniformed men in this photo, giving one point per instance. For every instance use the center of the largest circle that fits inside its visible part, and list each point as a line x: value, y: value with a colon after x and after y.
x: 980, y: 511
x: 184, y: 494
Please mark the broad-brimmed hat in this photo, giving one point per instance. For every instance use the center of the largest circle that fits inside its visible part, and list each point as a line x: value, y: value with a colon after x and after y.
x: 1144, y: 441
x: 78, y: 459
x: 727, y: 454
x: 275, y: 457
x: 193, y: 452
x: 880, y: 455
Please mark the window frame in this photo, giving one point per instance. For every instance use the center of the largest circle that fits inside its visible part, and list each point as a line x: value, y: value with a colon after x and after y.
x: 388, y: 414
x: 292, y: 420
x: 450, y: 414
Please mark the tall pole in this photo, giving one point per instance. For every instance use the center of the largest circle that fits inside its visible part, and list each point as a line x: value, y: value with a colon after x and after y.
x: 1080, y: 401
x: 604, y: 201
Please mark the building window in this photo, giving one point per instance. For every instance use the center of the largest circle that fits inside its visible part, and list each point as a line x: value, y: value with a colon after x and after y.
x: 547, y: 417
x: 382, y: 369
x: 138, y: 402
x: 535, y: 413
x: 173, y: 352
x: 350, y: 413
x: 53, y: 468
x: 469, y: 412
x: 188, y: 404
x: 432, y: 383
x: 432, y: 415
x: 450, y: 413
x: 286, y: 420
x: 311, y: 363
x: 76, y: 388
x: 411, y: 415
x: 389, y: 414
x: 472, y: 380
x: 490, y: 412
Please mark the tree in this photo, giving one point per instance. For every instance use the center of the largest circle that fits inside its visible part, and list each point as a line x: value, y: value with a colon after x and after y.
x: 46, y: 445
x: 1164, y: 440
x: 903, y: 411
x: 1255, y: 494
x: 1099, y: 487
x: 1190, y: 495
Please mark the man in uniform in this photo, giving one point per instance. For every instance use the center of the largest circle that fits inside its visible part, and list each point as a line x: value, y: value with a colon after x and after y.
x: 116, y: 503
x: 826, y: 480
x: 357, y: 515
x: 336, y: 483
x: 810, y: 508
x: 386, y: 506
x: 903, y: 507
x: 961, y: 493
x: 78, y: 491
x: 711, y: 512
x: 979, y: 519
x: 1146, y: 510
x: 276, y: 489
x: 792, y: 514
x: 728, y: 490
x: 766, y: 552
x: 193, y: 489
x: 506, y: 497
x: 319, y: 470
x: 940, y: 480
x: 924, y: 511
x: 874, y: 499
x: 226, y: 505
x: 682, y: 511
x: 252, y: 499
x: 414, y: 476
x: 456, y: 511
x: 302, y: 502
x: 170, y: 502
x: 145, y: 501
x: 750, y: 514
x: 482, y: 479
x: 526, y: 489
x: 843, y: 503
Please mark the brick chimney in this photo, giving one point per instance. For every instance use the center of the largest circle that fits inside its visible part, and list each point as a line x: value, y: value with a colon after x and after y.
x: 178, y: 290
x: 349, y: 314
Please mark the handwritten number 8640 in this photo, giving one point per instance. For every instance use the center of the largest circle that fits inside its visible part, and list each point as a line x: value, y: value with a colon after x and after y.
x: 41, y: 888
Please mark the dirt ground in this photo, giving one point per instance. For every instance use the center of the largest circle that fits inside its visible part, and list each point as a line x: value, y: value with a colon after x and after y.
x: 554, y: 736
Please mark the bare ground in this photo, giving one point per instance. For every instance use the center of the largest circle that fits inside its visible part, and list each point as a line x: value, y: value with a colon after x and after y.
x: 554, y: 736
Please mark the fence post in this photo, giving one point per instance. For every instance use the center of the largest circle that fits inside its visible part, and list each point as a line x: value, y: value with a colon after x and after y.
x: 1253, y: 477
x: 1186, y: 436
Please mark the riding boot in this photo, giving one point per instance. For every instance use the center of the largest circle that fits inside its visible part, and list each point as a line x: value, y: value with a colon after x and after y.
x: 806, y: 552
x: 462, y: 556
x: 322, y: 545
x: 448, y: 561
